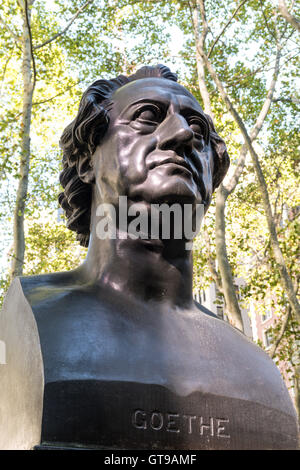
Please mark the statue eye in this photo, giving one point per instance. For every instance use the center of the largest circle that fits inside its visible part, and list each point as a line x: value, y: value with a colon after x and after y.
x: 196, y: 126
x: 148, y: 115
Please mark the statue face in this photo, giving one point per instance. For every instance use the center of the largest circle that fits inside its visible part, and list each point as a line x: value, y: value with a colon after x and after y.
x: 156, y: 148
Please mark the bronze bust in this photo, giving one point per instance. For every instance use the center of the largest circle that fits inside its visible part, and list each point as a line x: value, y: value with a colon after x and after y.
x: 116, y: 354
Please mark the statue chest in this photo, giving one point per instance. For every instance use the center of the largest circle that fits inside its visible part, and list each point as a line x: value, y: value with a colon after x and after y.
x: 115, y: 381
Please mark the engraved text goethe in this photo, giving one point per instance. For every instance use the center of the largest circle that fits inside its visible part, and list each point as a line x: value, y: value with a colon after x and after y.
x: 181, y: 423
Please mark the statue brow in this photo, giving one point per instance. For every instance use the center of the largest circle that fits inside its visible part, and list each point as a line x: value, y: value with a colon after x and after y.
x: 184, y: 109
x: 155, y: 101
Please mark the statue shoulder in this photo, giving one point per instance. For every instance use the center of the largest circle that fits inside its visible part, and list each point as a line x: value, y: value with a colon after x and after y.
x: 44, y: 286
x: 204, y: 309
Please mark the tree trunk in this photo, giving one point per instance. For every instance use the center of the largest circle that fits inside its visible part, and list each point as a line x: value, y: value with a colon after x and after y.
x: 287, y: 16
x: 29, y: 80
x: 286, y: 281
x: 285, y: 278
x: 228, y: 288
x: 232, y: 305
x: 296, y: 390
x: 28, y: 88
x: 200, y: 44
x: 222, y: 194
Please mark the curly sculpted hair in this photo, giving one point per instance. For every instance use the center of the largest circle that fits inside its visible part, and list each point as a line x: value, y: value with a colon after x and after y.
x: 80, y: 139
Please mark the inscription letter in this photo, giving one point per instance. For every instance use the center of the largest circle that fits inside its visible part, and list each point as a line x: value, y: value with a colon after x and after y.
x: 221, y: 429
x: 171, y: 424
x: 209, y: 427
x: 156, y: 421
x: 139, y: 419
x: 190, y: 418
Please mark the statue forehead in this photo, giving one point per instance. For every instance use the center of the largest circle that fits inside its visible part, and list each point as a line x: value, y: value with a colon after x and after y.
x: 156, y: 89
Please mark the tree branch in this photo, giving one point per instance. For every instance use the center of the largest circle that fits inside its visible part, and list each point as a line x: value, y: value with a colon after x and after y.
x: 55, y: 96
x: 14, y: 35
x: 200, y: 38
x: 261, y: 69
x: 275, y: 345
x: 211, y: 264
x: 60, y: 33
x: 231, y: 185
x: 266, y: 21
x: 287, y: 100
x: 278, y: 256
x: 225, y: 27
x: 30, y: 39
x: 4, y: 71
x: 287, y: 16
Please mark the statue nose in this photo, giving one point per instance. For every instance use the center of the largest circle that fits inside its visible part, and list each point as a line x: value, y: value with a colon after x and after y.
x: 175, y: 132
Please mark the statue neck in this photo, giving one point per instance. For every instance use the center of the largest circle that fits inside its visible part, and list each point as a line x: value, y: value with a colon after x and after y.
x: 146, y: 270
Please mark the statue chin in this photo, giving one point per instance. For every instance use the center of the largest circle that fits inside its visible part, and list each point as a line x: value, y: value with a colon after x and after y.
x: 174, y: 189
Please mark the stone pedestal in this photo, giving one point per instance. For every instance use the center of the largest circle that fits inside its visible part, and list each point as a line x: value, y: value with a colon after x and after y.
x: 22, y: 377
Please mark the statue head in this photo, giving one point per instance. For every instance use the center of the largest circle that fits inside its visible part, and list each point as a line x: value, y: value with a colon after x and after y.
x: 143, y: 136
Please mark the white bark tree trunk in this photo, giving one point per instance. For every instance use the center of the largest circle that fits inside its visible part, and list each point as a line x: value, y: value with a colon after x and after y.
x: 28, y: 88
x: 297, y: 390
x: 29, y: 80
x: 228, y: 290
x: 286, y: 281
x: 200, y: 44
x: 283, y: 10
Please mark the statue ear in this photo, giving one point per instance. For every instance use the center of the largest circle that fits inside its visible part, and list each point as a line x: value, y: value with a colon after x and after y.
x: 85, y: 169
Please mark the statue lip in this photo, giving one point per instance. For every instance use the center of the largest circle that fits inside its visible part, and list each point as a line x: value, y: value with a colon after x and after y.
x: 178, y: 161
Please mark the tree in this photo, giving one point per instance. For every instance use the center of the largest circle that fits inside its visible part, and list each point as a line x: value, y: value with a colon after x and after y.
x: 283, y: 10
x: 29, y: 78
x: 54, y: 54
x: 196, y: 7
x: 226, y: 188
